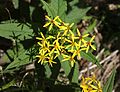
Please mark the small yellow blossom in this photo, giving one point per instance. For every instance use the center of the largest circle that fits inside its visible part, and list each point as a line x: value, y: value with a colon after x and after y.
x: 66, y: 28
x: 90, y: 84
x: 42, y: 57
x: 78, y: 50
x: 51, y: 22
x: 56, y: 45
x: 44, y: 48
x: 50, y: 60
x: 81, y: 38
x: 43, y: 39
x: 89, y: 44
x: 70, y: 58
x: 72, y: 44
x: 65, y: 43
x: 62, y: 24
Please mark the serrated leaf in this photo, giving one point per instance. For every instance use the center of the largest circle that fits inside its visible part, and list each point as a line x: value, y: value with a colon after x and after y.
x: 7, y: 30
x: 108, y: 87
x: 59, y: 7
x: 76, y: 14
x: 22, y: 59
x: 19, y: 61
x: 90, y: 57
x: 47, y: 7
x: 65, y: 65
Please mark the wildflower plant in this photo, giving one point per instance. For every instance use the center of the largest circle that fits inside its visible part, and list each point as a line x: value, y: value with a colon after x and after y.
x: 90, y: 84
x: 59, y: 44
x: 74, y: 42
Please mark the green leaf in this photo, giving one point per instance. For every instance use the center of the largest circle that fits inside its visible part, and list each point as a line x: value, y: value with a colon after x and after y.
x: 65, y: 65
x: 59, y: 7
x: 5, y: 58
x: 47, y: 7
x: 108, y: 87
x: 90, y: 27
x: 11, y: 83
x: 73, y: 2
x: 75, y: 73
x: 55, y: 8
x: 90, y: 57
x: 76, y: 14
x: 7, y: 30
x: 22, y: 59
x: 47, y: 70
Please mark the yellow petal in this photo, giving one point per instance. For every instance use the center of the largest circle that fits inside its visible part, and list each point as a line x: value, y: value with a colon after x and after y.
x: 62, y: 27
x: 56, y: 18
x: 50, y: 27
x: 65, y: 59
x: 71, y: 25
x: 92, y: 38
x: 39, y: 44
x: 78, y: 32
x: 59, y: 19
x: 37, y: 56
x: 42, y: 35
x: 72, y: 63
x: 68, y: 46
x: 56, y: 23
x: 87, y: 49
x: 47, y: 24
x: 50, y: 37
x: 68, y: 40
x: 93, y: 47
x: 39, y: 61
x: 94, y: 87
x: 86, y: 35
x: 48, y: 18
x: 38, y: 38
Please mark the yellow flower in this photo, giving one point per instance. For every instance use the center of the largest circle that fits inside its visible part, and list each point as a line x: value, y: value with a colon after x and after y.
x: 62, y: 24
x: 42, y: 57
x: 43, y: 47
x: 78, y: 50
x: 89, y: 44
x: 43, y: 39
x: 69, y: 58
x: 44, y: 43
x: 72, y: 44
x: 51, y: 22
x: 81, y: 38
x: 66, y: 27
x: 50, y: 60
x: 90, y: 84
x: 56, y: 46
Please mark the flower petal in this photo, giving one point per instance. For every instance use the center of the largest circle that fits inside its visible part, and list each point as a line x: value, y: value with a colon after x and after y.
x: 47, y: 24
x: 50, y: 27
x: 93, y: 47
x: 92, y: 38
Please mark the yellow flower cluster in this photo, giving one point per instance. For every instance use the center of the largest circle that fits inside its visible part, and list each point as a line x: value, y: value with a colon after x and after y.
x: 90, y: 84
x: 65, y: 43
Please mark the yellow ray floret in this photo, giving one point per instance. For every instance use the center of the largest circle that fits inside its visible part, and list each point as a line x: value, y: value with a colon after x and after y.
x: 90, y: 84
x: 51, y: 22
